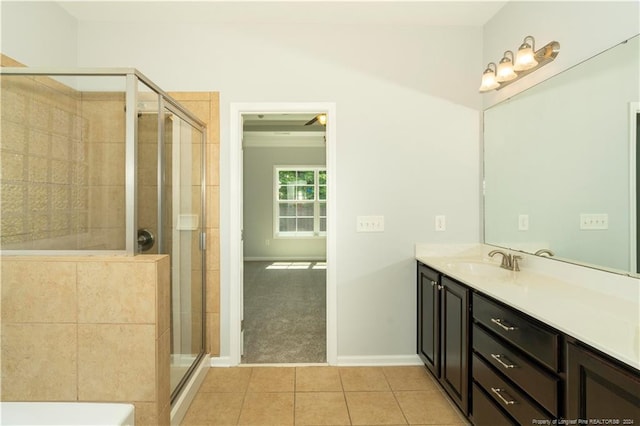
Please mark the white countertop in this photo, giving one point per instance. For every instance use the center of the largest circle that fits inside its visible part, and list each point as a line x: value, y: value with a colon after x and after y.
x: 600, y: 309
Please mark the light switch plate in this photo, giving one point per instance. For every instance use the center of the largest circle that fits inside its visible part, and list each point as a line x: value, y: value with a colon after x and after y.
x: 594, y: 221
x: 370, y: 224
x: 441, y: 223
x: 523, y: 222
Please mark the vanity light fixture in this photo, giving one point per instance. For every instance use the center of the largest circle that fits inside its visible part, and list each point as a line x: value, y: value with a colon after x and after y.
x: 525, y: 57
x: 505, y: 68
x: 489, y: 81
x: 526, y: 61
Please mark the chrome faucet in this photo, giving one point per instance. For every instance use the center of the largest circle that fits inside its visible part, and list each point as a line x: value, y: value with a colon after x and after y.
x: 510, y: 262
x: 542, y: 252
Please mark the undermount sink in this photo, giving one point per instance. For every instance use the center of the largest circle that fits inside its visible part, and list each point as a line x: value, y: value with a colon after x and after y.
x: 483, y: 269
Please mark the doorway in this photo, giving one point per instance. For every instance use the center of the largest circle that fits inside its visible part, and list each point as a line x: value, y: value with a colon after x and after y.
x: 284, y: 238
x: 236, y: 209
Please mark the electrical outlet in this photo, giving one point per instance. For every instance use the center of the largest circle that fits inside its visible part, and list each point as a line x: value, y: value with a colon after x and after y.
x: 523, y: 222
x: 370, y: 224
x: 594, y: 221
x: 441, y: 223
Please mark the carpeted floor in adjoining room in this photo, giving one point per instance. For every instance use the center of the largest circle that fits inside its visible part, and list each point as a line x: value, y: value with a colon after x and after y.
x: 284, y: 312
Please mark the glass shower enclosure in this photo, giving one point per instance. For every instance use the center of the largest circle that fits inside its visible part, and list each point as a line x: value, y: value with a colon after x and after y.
x: 102, y: 161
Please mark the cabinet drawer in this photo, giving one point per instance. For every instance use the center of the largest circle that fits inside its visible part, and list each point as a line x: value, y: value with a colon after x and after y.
x: 539, y: 342
x: 485, y: 412
x: 505, y: 395
x: 540, y: 385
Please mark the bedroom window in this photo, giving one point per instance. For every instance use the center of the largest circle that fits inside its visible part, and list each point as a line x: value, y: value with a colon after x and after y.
x: 300, y: 201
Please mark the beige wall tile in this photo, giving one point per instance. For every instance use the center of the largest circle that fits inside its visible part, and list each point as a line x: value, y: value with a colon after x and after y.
x: 163, y: 357
x: 213, y: 206
x: 116, y: 362
x: 12, y: 166
x: 106, y: 206
x: 213, y: 249
x: 117, y: 292
x: 39, y: 362
x: 146, y: 413
x: 163, y: 295
x: 213, y: 291
x: 13, y: 136
x: 36, y: 291
x: 213, y: 333
x: 213, y: 164
x: 106, y: 163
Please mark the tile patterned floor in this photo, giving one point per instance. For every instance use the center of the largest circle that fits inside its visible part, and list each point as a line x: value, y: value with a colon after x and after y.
x: 321, y: 396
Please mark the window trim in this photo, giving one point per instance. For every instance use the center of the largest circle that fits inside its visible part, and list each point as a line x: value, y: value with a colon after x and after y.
x: 316, y: 233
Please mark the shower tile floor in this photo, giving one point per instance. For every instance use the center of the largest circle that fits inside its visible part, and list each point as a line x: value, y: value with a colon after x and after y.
x: 321, y: 395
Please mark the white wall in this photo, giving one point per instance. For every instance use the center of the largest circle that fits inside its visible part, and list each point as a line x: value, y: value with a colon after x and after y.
x: 258, y: 194
x: 38, y: 34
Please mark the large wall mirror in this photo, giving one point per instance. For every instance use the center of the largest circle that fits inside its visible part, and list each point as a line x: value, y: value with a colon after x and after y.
x: 560, y: 164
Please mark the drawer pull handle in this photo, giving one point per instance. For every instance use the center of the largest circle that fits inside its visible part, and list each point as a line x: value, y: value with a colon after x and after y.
x: 502, y: 324
x: 506, y: 363
x: 433, y: 283
x: 498, y: 392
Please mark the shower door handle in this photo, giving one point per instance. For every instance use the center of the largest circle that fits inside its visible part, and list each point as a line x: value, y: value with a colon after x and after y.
x: 146, y: 239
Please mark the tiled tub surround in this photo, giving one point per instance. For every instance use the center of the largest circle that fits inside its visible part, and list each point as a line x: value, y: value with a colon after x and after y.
x: 598, y: 308
x: 92, y: 329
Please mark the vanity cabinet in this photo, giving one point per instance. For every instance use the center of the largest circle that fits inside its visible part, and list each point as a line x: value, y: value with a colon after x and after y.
x: 504, y: 367
x: 515, y: 365
x: 443, y: 332
x: 600, y: 389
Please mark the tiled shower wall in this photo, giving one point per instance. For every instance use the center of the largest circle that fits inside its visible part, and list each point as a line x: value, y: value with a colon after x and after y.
x: 87, y: 329
x: 62, y: 165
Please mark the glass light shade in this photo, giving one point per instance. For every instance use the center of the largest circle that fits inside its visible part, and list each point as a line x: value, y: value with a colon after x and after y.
x: 505, y: 70
x: 489, y: 81
x: 525, y: 58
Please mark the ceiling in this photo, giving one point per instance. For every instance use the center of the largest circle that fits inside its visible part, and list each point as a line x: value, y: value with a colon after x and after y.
x: 355, y: 12
x: 276, y: 122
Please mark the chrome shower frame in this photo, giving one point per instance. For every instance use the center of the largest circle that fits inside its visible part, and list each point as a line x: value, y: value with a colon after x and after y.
x: 132, y: 79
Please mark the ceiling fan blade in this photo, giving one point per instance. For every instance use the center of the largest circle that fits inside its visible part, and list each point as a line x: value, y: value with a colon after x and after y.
x: 313, y: 120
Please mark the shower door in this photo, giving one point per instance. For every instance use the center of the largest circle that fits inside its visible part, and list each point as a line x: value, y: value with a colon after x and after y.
x: 182, y: 233
x: 170, y: 220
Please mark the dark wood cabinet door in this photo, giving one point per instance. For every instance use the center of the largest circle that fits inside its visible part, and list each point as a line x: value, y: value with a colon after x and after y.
x: 598, y: 389
x: 428, y: 319
x: 454, y: 341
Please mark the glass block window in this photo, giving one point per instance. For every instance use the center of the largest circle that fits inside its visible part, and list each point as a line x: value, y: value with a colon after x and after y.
x: 300, y: 201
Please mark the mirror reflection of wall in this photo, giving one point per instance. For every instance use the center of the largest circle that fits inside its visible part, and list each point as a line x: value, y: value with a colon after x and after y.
x: 560, y: 151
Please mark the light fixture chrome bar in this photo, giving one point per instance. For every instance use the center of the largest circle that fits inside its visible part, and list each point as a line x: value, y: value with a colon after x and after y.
x: 544, y: 56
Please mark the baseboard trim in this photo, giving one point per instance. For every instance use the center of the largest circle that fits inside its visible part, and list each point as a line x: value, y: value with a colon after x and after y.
x: 285, y: 259
x: 221, y: 361
x: 351, y: 361
x: 376, y: 361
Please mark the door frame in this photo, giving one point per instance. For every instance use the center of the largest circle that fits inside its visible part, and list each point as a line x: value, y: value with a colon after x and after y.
x: 237, y: 110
